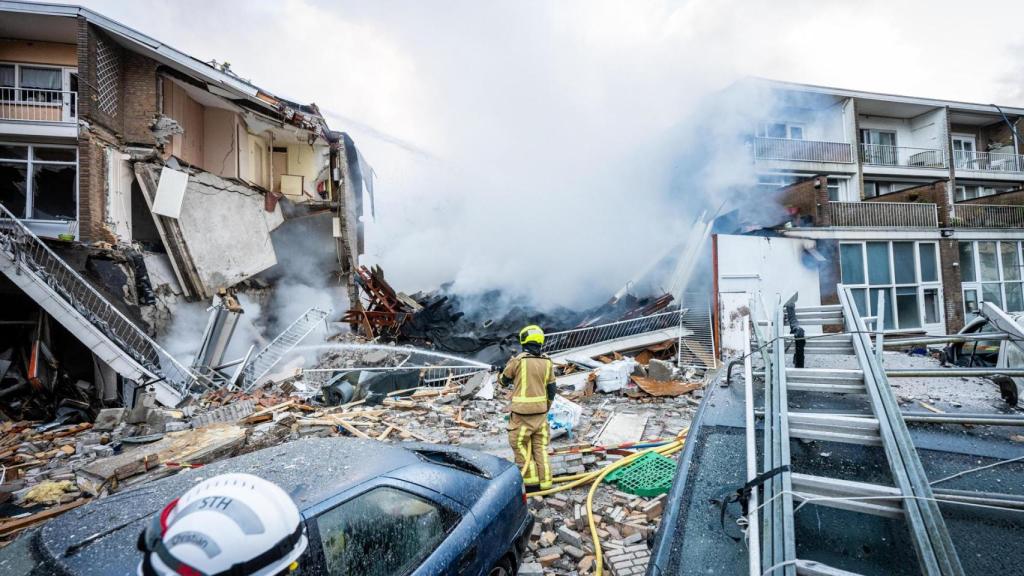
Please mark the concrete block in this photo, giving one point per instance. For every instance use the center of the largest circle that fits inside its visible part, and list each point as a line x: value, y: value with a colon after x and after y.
x: 109, y: 418
x: 570, y: 536
x: 660, y: 370
x: 531, y: 569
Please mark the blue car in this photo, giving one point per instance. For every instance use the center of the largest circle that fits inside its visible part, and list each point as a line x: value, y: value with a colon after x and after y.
x: 370, y: 509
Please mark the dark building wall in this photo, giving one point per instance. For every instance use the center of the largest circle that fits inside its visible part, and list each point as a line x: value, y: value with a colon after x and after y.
x: 141, y: 98
x: 952, y: 295
x: 934, y: 193
x: 1011, y: 198
x: 807, y: 201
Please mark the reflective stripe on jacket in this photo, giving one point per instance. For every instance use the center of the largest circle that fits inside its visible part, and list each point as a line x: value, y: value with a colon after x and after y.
x: 531, y: 375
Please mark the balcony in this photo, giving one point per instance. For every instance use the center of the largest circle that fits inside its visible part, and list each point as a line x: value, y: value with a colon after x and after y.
x: 882, y: 155
x: 988, y: 161
x: 34, y: 112
x: 802, y: 150
x: 884, y: 214
x: 988, y: 216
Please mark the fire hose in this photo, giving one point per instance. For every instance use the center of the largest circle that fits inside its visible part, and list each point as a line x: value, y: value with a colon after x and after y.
x: 596, y: 477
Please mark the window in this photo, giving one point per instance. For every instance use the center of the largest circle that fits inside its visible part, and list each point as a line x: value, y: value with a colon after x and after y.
x: 835, y: 189
x: 907, y: 273
x: 990, y: 271
x: 879, y: 147
x: 786, y: 130
x: 31, y: 83
x: 39, y: 182
x: 382, y: 532
x: 964, y: 152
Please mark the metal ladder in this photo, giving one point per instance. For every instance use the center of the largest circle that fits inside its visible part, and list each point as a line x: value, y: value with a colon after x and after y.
x: 912, y: 497
x: 271, y: 354
x: 82, y: 310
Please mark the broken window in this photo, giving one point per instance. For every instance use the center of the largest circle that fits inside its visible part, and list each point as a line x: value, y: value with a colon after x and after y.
x: 382, y: 532
x: 967, y: 262
x: 39, y: 182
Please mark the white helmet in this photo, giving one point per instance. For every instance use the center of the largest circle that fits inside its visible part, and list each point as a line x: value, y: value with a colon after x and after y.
x: 232, y: 524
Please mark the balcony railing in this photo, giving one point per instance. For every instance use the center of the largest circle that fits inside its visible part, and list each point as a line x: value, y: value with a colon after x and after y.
x: 884, y: 214
x: 31, y: 105
x: 987, y: 216
x: 802, y: 150
x: 881, y: 155
x: 988, y: 161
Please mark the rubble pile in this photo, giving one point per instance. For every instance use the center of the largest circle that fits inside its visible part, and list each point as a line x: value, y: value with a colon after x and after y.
x: 52, y: 468
x: 469, y: 325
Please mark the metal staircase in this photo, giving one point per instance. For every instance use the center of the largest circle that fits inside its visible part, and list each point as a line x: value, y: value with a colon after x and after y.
x: 72, y: 301
x: 911, y: 497
x: 272, y: 353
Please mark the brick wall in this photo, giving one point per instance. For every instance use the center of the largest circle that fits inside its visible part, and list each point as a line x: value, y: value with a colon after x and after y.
x: 141, y: 98
x: 934, y: 193
x: 807, y: 201
x: 952, y: 296
x: 1011, y: 198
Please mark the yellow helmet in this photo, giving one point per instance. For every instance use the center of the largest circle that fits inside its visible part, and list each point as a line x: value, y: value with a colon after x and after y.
x: 531, y: 334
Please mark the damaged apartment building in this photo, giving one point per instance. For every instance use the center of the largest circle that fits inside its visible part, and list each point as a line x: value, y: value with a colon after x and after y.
x: 917, y: 201
x: 133, y: 178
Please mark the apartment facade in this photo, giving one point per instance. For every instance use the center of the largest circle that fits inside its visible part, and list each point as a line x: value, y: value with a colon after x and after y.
x: 134, y: 177
x: 918, y: 199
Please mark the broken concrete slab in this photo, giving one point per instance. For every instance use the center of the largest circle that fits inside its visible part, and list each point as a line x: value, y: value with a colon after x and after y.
x: 660, y: 370
x: 622, y: 428
x: 109, y: 418
x: 230, y: 413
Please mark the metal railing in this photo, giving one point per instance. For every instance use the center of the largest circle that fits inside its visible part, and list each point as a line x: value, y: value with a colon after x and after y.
x: 696, y: 346
x: 987, y: 216
x: 31, y: 105
x: 20, y: 245
x: 802, y: 150
x: 882, y: 155
x: 433, y: 376
x: 884, y: 214
x: 288, y: 339
x: 987, y: 161
x: 580, y: 337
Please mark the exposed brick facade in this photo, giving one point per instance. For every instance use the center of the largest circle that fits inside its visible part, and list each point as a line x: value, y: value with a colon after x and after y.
x: 1011, y: 198
x: 807, y: 201
x: 952, y: 296
x: 934, y: 193
x: 140, y: 102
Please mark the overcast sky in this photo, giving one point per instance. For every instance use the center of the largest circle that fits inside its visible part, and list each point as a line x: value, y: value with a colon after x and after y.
x: 522, y: 143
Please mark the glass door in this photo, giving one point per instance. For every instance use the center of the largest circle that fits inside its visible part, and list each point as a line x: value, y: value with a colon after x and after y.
x: 964, y: 152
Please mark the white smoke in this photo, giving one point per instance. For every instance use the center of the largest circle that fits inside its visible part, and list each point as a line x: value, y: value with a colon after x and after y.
x: 549, y: 148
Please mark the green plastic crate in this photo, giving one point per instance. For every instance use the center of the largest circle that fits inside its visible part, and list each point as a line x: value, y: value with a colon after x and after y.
x: 648, y: 475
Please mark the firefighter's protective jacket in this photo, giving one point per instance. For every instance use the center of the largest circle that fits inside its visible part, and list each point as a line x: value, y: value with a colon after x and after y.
x: 530, y: 374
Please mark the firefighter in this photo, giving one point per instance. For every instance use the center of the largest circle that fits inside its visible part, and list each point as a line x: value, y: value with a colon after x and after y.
x: 533, y: 390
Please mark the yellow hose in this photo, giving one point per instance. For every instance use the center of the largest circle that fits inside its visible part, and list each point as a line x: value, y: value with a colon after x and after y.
x: 574, y: 480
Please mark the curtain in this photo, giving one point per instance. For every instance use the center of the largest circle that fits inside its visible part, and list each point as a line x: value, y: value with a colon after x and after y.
x: 6, y: 81
x: 41, y: 78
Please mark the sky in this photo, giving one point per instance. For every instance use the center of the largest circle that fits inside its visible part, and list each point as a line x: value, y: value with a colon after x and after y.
x: 535, y: 146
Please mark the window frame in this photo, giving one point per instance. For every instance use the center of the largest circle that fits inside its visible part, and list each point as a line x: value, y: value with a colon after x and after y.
x: 892, y: 286
x: 761, y: 131
x: 30, y: 162
x: 17, y: 88
x: 977, y: 285
x: 443, y: 503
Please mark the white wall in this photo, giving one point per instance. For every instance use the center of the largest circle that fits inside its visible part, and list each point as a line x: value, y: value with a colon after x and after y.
x: 747, y: 264
x: 924, y: 131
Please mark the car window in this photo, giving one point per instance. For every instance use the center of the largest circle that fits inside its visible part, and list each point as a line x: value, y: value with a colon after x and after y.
x: 383, y: 532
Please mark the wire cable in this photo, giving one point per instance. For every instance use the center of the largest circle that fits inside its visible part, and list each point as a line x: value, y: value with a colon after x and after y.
x: 978, y: 469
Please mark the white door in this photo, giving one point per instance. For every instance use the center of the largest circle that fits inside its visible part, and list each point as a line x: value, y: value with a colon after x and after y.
x: 964, y: 151
x: 69, y: 98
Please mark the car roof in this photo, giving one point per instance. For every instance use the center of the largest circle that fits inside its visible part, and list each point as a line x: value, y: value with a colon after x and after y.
x: 102, y: 534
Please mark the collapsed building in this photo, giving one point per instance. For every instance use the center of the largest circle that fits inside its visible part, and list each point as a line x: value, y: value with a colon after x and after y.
x: 135, y: 178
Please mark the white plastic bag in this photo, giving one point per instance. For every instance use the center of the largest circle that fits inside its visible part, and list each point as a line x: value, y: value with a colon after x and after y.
x: 564, y: 416
x: 614, y: 376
